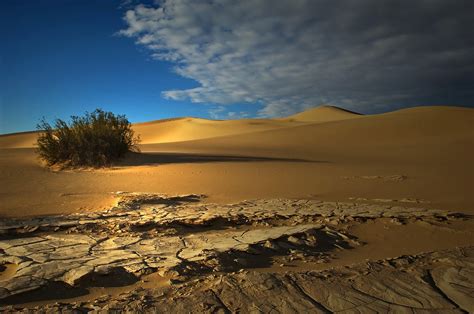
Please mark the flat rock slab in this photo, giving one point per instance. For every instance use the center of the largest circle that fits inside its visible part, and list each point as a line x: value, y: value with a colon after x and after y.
x: 457, y: 283
x: 75, y: 248
x: 138, y: 211
x: 398, y: 285
x: 220, y: 242
x: 70, y: 257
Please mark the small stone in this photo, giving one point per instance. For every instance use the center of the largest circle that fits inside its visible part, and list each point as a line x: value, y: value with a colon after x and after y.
x: 241, y: 261
x: 271, y: 245
x: 295, y: 240
x: 397, y: 221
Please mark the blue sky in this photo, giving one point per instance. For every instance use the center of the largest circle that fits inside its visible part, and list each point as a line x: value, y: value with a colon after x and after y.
x: 230, y: 59
x: 61, y: 58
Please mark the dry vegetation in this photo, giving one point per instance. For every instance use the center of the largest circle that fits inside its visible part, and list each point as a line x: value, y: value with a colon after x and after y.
x: 95, y: 139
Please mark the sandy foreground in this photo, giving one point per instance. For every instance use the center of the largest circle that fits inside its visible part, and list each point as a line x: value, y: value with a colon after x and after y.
x: 323, y: 211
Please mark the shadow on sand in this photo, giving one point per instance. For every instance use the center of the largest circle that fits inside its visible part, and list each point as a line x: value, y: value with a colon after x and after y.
x: 152, y: 158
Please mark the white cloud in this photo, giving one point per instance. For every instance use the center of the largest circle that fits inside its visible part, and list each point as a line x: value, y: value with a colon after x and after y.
x: 217, y: 112
x: 222, y: 113
x: 292, y: 54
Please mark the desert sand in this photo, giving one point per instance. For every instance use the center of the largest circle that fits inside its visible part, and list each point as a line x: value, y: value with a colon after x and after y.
x: 325, y: 191
x: 423, y: 154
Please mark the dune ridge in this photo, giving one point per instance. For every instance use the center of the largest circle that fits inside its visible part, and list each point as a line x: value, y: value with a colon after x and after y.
x: 432, y: 148
x: 324, y: 113
x: 322, y: 190
x: 190, y: 128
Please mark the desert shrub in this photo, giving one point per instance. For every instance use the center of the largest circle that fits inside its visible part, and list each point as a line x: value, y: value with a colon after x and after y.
x: 94, y: 140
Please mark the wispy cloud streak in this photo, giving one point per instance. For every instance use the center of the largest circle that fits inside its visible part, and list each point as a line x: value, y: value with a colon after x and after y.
x: 291, y: 54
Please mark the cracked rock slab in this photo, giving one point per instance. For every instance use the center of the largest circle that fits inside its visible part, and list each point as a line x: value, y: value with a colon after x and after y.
x: 457, y: 283
x: 141, y: 211
x: 74, y: 248
x: 62, y: 258
x: 398, y: 285
x: 377, y: 287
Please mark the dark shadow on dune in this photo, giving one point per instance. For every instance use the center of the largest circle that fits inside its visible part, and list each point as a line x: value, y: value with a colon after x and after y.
x: 152, y: 158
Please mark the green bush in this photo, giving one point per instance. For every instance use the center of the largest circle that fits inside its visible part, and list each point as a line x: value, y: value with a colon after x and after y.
x: 94, y: 140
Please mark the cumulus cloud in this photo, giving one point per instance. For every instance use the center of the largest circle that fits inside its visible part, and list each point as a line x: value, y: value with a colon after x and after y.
x: 288, y: 55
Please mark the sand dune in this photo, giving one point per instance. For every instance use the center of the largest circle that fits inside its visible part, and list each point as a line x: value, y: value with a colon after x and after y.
x: 323, y: 114
x: 394, y: 176
x: 171, y: 130
x: 18, y: 140
x: 392, y: 135
x: 430, y: 148
x: 188, y: 128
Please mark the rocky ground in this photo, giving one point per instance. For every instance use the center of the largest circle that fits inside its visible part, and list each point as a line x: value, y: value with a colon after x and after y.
x: 177, y: 254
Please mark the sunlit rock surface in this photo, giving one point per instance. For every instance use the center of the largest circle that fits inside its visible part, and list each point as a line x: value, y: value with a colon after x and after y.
x: 210, y: 252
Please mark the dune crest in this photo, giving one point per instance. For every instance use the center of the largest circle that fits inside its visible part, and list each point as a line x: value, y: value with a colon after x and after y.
x: 325, y: 113
x: 194, y: 129
x: 309, y: 200
x: 189, y: 128
x: 18, y: 140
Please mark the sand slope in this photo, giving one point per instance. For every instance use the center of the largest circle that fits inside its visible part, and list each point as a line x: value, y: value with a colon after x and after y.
x: 410, y: 133
x: 319, y: 182
x: 421, y: 154
x: 171, y: 130
x: 188, y: 128
x: 18, y: 140
x: 323, y: 114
